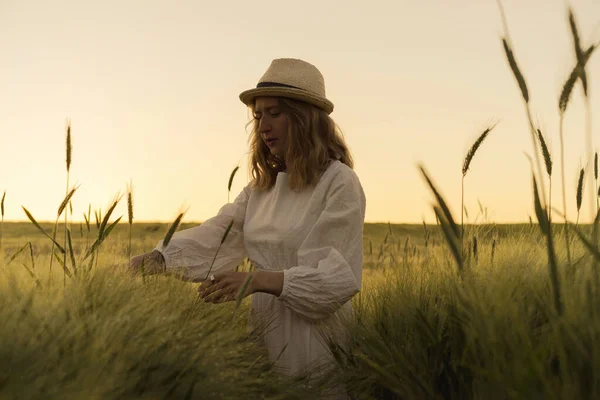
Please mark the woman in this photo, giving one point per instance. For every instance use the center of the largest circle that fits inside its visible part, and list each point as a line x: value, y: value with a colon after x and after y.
x: 300, y: 221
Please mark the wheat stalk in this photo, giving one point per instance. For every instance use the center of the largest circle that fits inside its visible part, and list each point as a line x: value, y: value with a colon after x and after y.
x: 101, y: 230
x: 231, y: 181
x: 52, y: 238
x: 2, y: 222
x: 596, y: 177
x: 87, y: 224
x: 546, y: 228
x: 130, y: 214
x: 242, y: 293
x: 512, y: 61
x: 95, y: 246
x: 465, y: 168
x: 442, y: 203
x: 449, y: 228
x: 563, y: 102
x: 70, y: 243
x: 98, y: 215
x: 219, y: 248
x: 548, y: 163
x: 61, y: 208
x: 582, y: 58
x: 579, y: 196
x: 69, y: 150
x: 172, y: 229
x: 579, y: 53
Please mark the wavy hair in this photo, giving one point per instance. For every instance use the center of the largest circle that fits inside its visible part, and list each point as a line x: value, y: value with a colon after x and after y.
x: 313, y: 138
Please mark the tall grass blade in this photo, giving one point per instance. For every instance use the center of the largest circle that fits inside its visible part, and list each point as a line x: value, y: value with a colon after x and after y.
x: 130, y: 203
x: 512, y: 62
x: 231, y: 181
x: 69, y: 146
x: 442, y: 203
x: 42, y: 230
x: 129, y: 215
x: 595, y: 228
x: 31, y: 255
x: 540, y: 213
x: 31, y: 273
x: 108, y: 214
x: 62, y: 264
x: 100, y: 239
x: 219, y: 248
x: 474, y: 147
x: 73, y: 263
x: 242, y: 292
x: 580, y: 190
x: 226, y: 232
x: 545, y: 152
x: 565, y: 95
x: 546, y: 228
x: 2, y: 221
x: 451, y: 238
x: 65, y: 201
x: 579, y: 53
x: 89, y: 216
x: 12, y: 258
x: 591, y: 248
x: 172, y: 229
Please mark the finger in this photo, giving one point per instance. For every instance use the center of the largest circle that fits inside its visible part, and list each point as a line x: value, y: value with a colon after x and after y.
x: 206, y: 283
x: 213, y: 288
x: 221, y: 298
x: 219, y: 277
x: 216, y: 295
x: 222, y: 275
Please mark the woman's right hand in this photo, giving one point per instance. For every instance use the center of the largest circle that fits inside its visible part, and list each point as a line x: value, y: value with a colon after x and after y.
x: 151, y: 263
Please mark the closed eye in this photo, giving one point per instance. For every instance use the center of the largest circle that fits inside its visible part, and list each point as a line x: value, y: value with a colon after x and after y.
x: 272, y: 114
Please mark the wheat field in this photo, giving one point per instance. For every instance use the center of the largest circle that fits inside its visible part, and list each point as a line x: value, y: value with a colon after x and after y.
x: 452, y: 310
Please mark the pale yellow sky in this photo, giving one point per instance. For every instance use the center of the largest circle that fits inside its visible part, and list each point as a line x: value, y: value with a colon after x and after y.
x: 151, y: 88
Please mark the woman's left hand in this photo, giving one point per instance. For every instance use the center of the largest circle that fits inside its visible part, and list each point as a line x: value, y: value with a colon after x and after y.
x: 226, y: 286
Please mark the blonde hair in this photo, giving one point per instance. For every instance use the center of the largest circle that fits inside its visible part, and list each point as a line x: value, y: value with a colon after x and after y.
x: 313, y: 140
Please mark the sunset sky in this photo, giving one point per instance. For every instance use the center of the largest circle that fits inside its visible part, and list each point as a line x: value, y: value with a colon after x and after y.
x: 151, y: 88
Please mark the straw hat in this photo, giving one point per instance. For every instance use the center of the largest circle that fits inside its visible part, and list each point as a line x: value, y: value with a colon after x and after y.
x: 292, y: 78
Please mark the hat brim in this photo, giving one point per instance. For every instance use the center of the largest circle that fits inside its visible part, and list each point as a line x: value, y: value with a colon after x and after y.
x: 247, y: 97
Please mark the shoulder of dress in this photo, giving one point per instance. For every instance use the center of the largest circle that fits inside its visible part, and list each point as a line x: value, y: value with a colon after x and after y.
x: 341, y: 173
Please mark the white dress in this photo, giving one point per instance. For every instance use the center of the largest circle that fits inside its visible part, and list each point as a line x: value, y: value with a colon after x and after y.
x: 314, y: 236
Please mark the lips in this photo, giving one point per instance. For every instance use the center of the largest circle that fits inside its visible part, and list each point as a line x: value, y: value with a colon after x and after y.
x: 270, y: 142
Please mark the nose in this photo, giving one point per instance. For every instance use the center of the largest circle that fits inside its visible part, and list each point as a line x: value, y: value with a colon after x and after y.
x: 263, y: 125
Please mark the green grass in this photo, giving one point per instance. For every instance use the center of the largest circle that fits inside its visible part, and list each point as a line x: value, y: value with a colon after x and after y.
x: 421, y: 331
x: 108, y: 335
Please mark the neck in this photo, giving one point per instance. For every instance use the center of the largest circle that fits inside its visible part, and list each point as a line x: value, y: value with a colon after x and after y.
x: 277, y: 163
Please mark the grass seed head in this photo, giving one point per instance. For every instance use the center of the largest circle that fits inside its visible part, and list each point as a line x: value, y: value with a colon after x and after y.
x: 545, y: 152
x: 512, y: 62
x: 580, y: 190
x: 130, y: 202
x: 473, y: 149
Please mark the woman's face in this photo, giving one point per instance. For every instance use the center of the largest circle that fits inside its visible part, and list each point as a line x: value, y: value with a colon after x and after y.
x: 272, y: 124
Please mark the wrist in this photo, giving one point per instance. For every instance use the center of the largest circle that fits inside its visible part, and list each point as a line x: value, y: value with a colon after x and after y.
x: 268, y: 282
